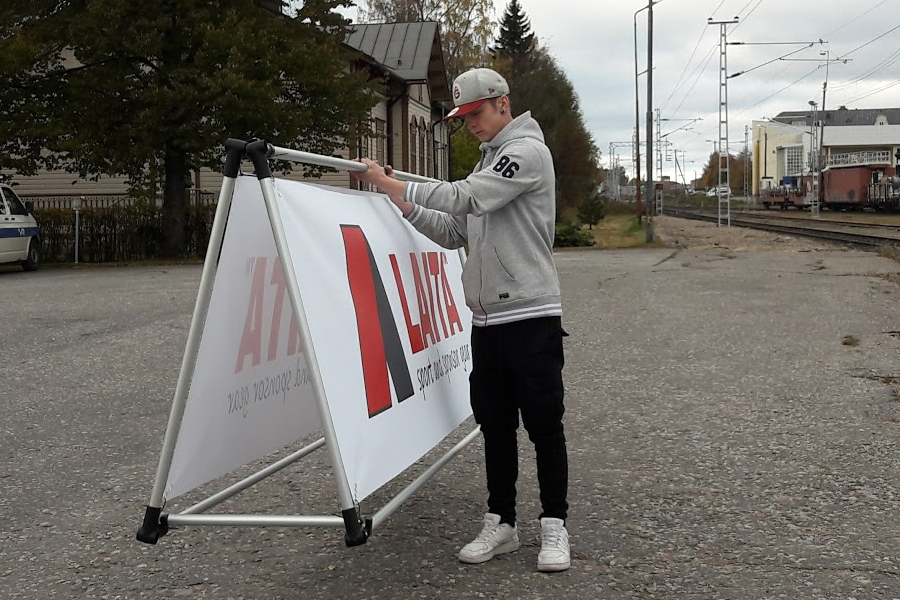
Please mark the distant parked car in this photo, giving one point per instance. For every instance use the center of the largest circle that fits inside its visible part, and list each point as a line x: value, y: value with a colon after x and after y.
x: 712, y: 192
x: 19, y: 237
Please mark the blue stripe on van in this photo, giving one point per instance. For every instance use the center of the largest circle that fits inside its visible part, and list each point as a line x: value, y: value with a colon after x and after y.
x: 6, y: 232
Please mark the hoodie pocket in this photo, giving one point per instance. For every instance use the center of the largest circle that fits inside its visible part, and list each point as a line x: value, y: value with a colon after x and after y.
x: 471, y: 280
x: 498, y: 285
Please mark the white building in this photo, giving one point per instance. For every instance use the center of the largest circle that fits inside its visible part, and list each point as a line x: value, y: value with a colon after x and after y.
x: 782, y: 146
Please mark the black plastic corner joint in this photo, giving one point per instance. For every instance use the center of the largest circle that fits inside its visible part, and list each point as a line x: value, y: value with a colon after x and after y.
x: 154, y: 526
x: 357, y: 530
x: 260, y: 152
x: 234, y: 153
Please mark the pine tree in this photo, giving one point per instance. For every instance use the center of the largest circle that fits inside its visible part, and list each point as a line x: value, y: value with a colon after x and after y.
x: 516, y: 39
x: 591, y: 209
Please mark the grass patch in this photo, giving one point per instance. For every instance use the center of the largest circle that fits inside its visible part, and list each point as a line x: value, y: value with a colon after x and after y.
x: 622, y: 231
x: 887, y: 251
x: 850, y: 340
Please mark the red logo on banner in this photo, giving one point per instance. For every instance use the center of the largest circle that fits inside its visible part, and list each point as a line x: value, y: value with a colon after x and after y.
x: 379, y: 339
x: 252, y: 337
x: 434, y: 292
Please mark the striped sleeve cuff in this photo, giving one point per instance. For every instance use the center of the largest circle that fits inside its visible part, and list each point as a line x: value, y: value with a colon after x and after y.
x: 411, y: 189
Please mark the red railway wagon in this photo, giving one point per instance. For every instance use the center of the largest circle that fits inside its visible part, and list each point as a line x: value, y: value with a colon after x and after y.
x: 860, y: 186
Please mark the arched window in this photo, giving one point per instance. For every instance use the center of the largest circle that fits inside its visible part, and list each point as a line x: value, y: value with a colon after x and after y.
x: 423, y: 147
x: 413, y: 139
x: 429, y: 143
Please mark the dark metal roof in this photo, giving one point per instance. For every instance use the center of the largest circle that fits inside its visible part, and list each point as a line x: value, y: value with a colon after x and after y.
x: 410, y: 51
x: 842, y: 116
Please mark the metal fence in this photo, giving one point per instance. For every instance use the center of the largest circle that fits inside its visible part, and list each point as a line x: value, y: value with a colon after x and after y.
x: 195, y: 198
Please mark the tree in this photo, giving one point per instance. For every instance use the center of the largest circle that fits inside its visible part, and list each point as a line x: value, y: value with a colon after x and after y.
x: 516, y: 38
x: 151, y: 90
x: 736, y: 167
x: 591, y: 209
x: 538, y: 83
x: 465, y: 151
x: 466, y: 26
x: 546, y: 91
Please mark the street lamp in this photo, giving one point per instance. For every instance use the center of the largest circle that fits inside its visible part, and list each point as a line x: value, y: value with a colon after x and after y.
x: 77, y: 204
x: 637, y: 121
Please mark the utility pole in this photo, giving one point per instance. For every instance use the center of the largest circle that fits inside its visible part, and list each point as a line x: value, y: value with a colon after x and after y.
x: 637, y: 125
x: 659, y: 164
x: 746, y: 161
x: 649, y: 188
x: 813, y: 195
x: 827, y: 54
x: 611, y: 171
x: 635, y: 160
x: 679, y: 168
x: 723, y: 191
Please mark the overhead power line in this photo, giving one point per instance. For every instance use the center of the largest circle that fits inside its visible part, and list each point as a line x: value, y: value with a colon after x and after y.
x: 877, y: 69
x: 718, y: 7
x: 768, y: 62
x: 790, y: 85
x: 872, y: 93
x: 872, y: 40
x: 699, y: 71
x: 687, y: 64
x: 857, y: 17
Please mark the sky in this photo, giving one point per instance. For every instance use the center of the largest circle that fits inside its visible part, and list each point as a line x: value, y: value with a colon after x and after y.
x: 593, y: 41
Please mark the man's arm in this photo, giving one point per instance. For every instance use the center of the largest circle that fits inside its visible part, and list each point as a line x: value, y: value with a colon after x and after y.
x: 445, y: 230
x: 383, y: 179
x: 517, y: 169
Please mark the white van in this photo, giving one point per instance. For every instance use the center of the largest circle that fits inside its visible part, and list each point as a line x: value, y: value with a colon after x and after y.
x: 19, y: 238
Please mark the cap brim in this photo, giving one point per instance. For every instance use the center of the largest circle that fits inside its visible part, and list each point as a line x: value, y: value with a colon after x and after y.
x: 464, y: 109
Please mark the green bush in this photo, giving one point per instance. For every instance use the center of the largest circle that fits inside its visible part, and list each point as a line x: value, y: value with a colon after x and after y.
x: 591, y: 209
x: 572, y: 235
x: 119, y: 233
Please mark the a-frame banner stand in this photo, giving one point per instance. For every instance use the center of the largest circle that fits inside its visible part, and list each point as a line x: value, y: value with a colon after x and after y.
x: 319, y: 310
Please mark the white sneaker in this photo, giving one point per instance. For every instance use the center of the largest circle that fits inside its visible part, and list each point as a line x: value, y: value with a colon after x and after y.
x: 554, y: 554
x: 495, y: 538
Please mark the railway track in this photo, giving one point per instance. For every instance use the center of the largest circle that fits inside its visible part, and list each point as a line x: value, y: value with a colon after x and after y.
x: 813, y: 221
x: 875, y: 235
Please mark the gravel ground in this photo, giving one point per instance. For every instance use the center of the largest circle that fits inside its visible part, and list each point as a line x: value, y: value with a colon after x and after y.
x: 724, y: 442
x: 701, y: 235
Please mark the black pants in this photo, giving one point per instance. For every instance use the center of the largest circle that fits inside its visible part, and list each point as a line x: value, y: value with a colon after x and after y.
x: 517, y: 368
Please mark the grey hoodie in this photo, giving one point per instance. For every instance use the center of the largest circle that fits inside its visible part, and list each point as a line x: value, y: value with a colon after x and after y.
x: 505, y: 211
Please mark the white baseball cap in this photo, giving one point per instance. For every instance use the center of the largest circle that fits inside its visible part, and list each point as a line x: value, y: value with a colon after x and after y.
x: 473, y: 88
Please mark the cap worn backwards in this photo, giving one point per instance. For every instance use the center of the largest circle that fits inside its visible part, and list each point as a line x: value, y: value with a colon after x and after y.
x: 473, y: 88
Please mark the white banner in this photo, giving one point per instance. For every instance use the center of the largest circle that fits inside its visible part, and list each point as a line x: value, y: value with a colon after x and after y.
x: 250, y: 394
x: 389, y: 325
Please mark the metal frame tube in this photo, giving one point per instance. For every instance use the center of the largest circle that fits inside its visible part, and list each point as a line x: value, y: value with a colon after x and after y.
x: 189, y: 360
x: 338, y: 163
x: 256, y: 520
x: 293, y: 289
x: 243, y: 484
x: 388, y: 509
x: 279, y: 153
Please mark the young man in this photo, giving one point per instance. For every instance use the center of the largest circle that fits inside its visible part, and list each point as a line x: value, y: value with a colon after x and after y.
x: 505, y: 211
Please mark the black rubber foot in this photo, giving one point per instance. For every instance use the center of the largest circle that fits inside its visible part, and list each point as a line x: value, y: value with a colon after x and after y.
x: 357, y: 530
x: 154, y: 526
